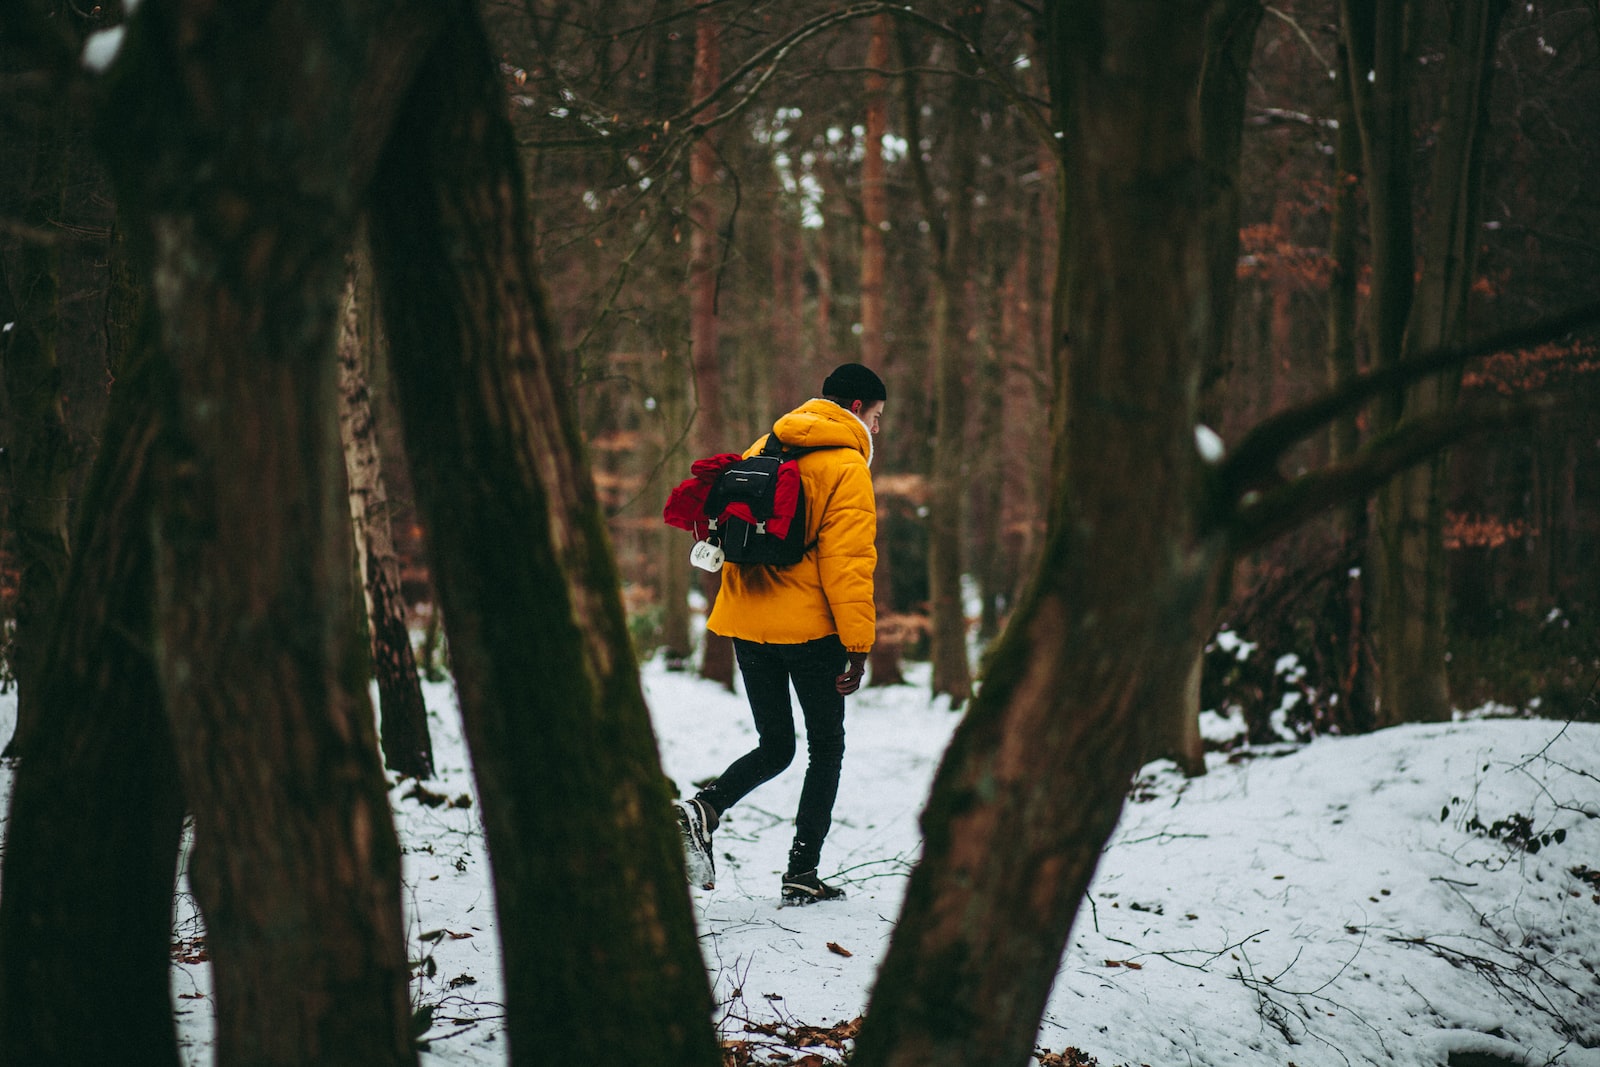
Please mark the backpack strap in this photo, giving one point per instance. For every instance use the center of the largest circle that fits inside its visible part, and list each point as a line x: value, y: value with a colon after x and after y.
x: 776, y: 447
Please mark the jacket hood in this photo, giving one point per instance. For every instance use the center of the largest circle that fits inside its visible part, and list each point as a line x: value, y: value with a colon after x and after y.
x: 820, y: 422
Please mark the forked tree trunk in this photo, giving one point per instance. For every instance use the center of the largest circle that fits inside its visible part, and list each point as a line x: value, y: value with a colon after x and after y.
x: 1410, y: 577
x: 1408, y: 647
x: 885, y: 658
x: 600, y: 957
x: 95, y: 809
x: 1034, y: 780
x: 1438, y: 317
x: 705, y: 253
x: 241, y: 213
x: 407, y: 746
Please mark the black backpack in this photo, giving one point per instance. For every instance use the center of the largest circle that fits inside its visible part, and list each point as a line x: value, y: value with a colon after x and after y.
x: 754, y: 483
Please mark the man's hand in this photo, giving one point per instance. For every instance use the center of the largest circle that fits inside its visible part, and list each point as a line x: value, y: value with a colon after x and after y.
x: 850, y: 680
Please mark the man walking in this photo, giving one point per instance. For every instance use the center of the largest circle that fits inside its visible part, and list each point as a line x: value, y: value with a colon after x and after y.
x: 811, y: 625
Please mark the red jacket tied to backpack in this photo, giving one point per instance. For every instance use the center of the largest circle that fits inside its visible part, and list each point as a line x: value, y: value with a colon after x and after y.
x: 830, y: 589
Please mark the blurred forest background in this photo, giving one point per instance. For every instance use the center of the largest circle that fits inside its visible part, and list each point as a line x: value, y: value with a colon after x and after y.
x: 935, y: 264
x: 730, y: 199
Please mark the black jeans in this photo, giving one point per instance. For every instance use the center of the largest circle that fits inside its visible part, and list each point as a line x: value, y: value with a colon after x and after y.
x: 768, y: 670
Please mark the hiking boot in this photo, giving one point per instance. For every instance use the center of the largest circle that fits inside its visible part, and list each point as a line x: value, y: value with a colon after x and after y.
x: 696, y: 820
x: 806, y: 888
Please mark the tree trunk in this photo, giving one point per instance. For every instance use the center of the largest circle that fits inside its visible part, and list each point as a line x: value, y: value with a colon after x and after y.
x: 705, y: 272
x: 1230, y: 46
x: 36, y: 453
x: 95, y: 810
x: 407, y: 746
x: 885, y: 658
x: 1354, y: 712
x: 1407, y: 647
x: 575, y: 805
x: 240, y: 212
x: 1411, y: 577
x: 674, y: 555
x: 952, y: 674
x: 988, y: 487
x: 1345, y: 270
x: 1035, y: 778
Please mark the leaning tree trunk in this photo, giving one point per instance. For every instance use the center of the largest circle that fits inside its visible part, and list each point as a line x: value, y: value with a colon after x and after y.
x: 575, y: 805
x: 240, y: 196
x: 407, y: 746
x: 95, y: 810
x: 885, y: 657
x: 1034, y: 781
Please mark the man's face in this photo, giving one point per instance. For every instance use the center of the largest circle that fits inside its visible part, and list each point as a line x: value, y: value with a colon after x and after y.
x: 868, y: 414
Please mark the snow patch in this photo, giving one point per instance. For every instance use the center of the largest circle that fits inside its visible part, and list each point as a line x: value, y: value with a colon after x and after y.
x: 1209, y: 443
x: 101, y: 48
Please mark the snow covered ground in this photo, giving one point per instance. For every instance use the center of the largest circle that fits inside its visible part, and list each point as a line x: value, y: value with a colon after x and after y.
x: 1352, y: 901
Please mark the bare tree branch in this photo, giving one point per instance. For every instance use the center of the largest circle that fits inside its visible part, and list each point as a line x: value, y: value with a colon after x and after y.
x: 765, y: 63
x: 1256, y: 458
x: 1261, y: 518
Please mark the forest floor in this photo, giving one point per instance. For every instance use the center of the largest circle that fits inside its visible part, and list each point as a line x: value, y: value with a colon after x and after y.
x: 1422, y: 895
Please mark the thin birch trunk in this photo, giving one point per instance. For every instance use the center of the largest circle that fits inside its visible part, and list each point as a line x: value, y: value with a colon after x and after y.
x: 407, y: 745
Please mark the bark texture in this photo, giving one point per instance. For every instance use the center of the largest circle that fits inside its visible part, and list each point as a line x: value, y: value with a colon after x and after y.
x: 676, y: 571
x: 1408, y: 560
x: 1035, y: 778
x: 705, y: 269
x: 95, y: 812
x: 36, y: 452
x: 885, y: 657
x: 407, y: 745
x: 1230, y: 45
x: 240, y: 196
x: 952, y: 358
x: 574, y: 802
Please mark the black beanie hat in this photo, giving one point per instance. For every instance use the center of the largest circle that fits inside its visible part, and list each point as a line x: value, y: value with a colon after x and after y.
x: 852, y: 381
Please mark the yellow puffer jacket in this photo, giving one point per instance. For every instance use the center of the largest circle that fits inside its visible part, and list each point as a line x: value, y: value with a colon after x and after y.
x: 830, y: 590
